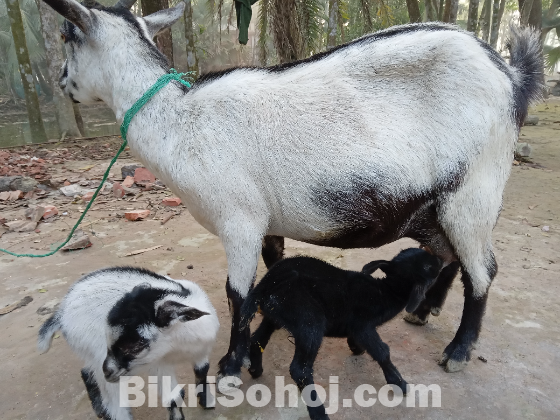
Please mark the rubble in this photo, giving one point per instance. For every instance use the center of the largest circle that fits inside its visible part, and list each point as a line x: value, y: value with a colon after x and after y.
x: 171, y: 201
x: 11, y: 195
x: 79, y: 240
x: 136, y: 214
x: 128, y: 182
x: 143, y: 176
x: 22, y: 183
x: 128, y: 170
x: 21, y: 225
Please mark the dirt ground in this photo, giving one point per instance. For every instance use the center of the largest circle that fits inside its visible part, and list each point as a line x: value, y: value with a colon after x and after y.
x: 514, y: 372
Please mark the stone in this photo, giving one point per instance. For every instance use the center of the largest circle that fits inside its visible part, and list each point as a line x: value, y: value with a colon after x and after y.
x: 34, y: 213
x: 6, y: 182
x: 171, y: 201
x: 22, y: 225
x: 136, y: 214
x: 79, y: 240
x: 118, y: 190
x: 128, y: 170
x: 11, y: 195
x: 523, y: 149
x: 531, y: 120
x: 73, y: 190
x: 24, y: 184
x: 49, y: 211
x: 143, y: 176
x: 128, y: 182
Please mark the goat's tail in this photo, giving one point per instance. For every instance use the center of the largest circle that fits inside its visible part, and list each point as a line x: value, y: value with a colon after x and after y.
x: 249, y: 309
x: 525, y: 51
x: 47, y: 331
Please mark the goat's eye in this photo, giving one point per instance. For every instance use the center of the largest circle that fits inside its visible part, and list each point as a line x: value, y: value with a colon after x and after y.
x: 63, y: 37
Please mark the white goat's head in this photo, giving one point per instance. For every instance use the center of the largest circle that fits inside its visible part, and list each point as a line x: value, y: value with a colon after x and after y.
x: 98, y: 40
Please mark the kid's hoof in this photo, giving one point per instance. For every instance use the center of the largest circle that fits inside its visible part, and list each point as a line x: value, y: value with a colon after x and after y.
x: 435, y: 311
x: 455, y: 365
x: 255, y: 373
x: 227, y: 387
x: 414, y: 319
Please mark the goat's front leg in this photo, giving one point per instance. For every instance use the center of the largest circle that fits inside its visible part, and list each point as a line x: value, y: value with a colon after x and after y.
x: 242, y: 250
x: 205, y: 397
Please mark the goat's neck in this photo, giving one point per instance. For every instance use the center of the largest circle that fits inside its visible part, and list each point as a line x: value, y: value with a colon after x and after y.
x: 131, y: 82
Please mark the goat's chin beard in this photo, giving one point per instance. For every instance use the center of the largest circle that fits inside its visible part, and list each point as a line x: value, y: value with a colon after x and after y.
x: 72, y: 98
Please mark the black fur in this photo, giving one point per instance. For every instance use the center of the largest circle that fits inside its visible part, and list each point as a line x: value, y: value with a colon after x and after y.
x: 133, y: 310
x: 272, y: 250
x: 312, y: 299
x: 205, y: 397
x: 230, y: 364
x: 94, y: 394
x: 527, y: 58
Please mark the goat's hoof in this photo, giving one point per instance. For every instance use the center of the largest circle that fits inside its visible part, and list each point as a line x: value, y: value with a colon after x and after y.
x: 202, y: 401
x: 414, y: 319
x: 452, y: 365
x: 435, y: 311
x: 455, y: 365
x: 255, y: 373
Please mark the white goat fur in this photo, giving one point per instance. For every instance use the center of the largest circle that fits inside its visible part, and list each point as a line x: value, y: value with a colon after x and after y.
x: 82, y: 318
x: 250, y: 151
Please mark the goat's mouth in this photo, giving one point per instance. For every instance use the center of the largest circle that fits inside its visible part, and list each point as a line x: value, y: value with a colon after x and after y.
x: 72, y: 97
x: 115, y: 376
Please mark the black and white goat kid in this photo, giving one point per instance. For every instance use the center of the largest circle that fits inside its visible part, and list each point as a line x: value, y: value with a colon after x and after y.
x: 128, y: 321
x: 312, y: 299
x: 408, y: 132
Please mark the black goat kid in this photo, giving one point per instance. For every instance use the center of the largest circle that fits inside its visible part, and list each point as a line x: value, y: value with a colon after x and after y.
x: 312, y: 299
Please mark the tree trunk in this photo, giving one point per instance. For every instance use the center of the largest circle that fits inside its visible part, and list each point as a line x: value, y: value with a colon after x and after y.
x: 45, y: 87
x: 431, y: 10
x: 79, y: 119
x: 554, y: 4
x: 485, y: 20
x: 38, y: 134
x: 55, y: 60
x: 535, y: 17
x: 453, y: 11
x: 440, y: 10
x: 333, y: 24
x: 473, y: 15
x: 164, y: 40
x: 413, y: 11
x: 192, y: 59
x: 525, y: 7
x: 497, y: 12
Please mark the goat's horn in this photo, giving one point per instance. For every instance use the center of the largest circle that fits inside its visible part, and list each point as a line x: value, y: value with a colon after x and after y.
x: 126, y: 4
x: 73, y: 11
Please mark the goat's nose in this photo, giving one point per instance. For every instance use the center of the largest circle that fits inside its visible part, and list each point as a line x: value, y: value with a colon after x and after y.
x: 110, y: 369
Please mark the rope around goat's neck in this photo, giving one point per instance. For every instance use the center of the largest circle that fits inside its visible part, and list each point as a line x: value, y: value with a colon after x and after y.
x: 156, y: 87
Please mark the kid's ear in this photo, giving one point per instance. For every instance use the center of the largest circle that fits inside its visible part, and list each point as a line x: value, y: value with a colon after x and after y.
x: 417, y: 295
x: 171, y: 310
x: 370, y: 268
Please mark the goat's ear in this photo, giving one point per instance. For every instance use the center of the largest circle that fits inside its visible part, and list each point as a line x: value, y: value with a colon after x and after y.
x: 417, y: 295
x: 163, y: 19
x: 171, y: 310
x: 370, y: 268
x: 73, y: 11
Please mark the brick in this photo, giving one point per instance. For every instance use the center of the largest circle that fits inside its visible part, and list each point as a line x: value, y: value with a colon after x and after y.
x: 34, y: 213
x: 128, y: 182
x: 137, y: 214
x: 87, y: 196
x: 118, y: 190
x: 49, y: 211
x: 171, y: 201
x: 11, y: 195
x: 66, y: 183
x: 143, y: 176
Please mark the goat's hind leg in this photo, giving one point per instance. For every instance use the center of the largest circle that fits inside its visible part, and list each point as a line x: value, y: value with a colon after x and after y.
x: 355, y: 348
x: 368, y: 338
x: 301, y: 368
x: 259, y: 340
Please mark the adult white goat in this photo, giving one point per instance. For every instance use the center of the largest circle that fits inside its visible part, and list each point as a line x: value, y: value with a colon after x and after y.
x: 408, y: 132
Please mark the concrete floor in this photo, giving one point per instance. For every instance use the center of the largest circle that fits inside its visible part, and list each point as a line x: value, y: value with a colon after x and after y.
x: 520, y: 336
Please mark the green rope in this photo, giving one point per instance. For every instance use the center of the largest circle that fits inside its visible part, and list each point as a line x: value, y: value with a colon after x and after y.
x: 158, y: 85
